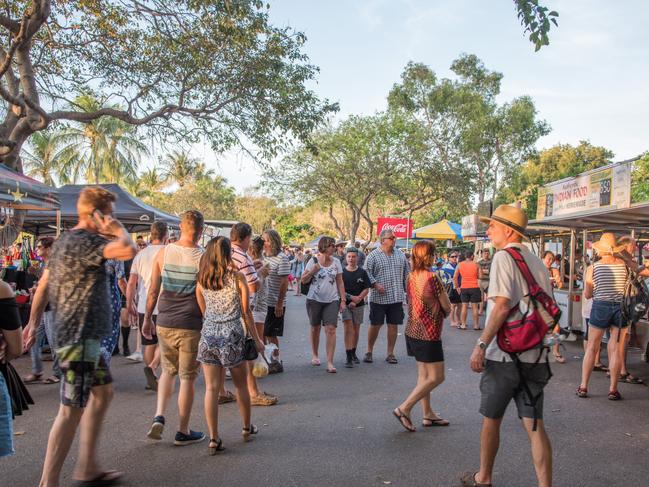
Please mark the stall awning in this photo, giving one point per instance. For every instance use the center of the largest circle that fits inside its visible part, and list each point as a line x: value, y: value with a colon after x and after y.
x: 134, y: 214
x: 635, y: 217
x: 442, y: 230
x: 21, y: 192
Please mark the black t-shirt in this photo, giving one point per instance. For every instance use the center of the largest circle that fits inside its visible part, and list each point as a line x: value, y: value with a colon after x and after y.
x: 356, y: 282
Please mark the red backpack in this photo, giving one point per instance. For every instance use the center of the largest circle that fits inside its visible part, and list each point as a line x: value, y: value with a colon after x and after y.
x: 525, y: 330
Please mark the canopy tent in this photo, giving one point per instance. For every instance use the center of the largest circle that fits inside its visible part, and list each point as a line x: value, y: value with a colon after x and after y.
x: 313, y: 244
x: 20, y: 192
x: 442, y: 230
x: 635, y: 216
x: 132, y: 212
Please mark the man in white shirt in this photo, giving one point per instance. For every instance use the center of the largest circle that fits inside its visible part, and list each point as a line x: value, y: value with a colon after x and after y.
x: 136, y: 292
x: 500, y: 382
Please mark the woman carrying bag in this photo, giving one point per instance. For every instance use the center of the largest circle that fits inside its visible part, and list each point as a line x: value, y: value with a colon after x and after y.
x: 221, y: 292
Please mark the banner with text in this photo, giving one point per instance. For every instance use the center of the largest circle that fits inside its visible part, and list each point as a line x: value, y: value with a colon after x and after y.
x: 602, y: 188
x: 401, y: 227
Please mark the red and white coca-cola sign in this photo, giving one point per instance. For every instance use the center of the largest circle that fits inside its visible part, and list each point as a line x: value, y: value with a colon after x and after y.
x: 401, y: 227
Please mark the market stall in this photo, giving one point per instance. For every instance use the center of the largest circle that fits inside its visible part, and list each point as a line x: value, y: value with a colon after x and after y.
x: 442, y: 230
x: 132, y: 212
x: 573, y: 212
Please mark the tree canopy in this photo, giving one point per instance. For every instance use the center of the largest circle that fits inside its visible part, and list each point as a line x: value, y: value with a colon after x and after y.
x: 185, y: 69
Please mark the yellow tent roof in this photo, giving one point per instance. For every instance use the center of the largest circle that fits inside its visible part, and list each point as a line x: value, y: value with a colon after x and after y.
x: 442, y: 230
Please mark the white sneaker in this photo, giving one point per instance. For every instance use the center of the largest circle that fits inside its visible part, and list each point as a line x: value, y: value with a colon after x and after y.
x: 135, y: 357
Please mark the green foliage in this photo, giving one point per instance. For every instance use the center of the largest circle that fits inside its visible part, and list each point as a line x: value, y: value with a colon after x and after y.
x: 186, y: 69
x: 553, y: 164
x: 106, y: 150
x: 640, y: 180
x: 42, y: 158
x: 472, y: 140
x: 536, y: 19
x: 211, y: 196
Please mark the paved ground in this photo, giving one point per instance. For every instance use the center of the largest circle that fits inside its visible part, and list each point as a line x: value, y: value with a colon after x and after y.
x: 337, y: 430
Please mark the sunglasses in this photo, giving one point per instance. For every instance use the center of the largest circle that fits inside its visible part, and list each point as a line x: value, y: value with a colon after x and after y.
x: 390, y: 238
x: 453, y: 257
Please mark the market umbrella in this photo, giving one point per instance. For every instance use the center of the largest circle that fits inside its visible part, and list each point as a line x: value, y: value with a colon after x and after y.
x: 442, y: 230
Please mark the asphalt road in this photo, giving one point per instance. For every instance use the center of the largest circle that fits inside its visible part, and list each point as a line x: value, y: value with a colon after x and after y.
x: 338, y: 430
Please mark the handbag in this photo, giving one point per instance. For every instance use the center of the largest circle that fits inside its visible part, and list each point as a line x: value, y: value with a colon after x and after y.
x: 304, y: 288
x: 20, y: 397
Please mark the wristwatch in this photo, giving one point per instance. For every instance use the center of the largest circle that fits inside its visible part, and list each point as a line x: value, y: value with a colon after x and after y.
x: 481, y: 344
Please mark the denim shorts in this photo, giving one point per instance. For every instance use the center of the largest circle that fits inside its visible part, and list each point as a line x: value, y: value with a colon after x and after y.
x: 605, y: 314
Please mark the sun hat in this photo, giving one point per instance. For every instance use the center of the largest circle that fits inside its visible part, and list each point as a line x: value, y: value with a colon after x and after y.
x: 607, y: 244
x: 510, y: 216
x: 340, y: 242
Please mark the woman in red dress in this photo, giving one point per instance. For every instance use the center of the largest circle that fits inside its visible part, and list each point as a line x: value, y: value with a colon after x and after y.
x: 428, y: 305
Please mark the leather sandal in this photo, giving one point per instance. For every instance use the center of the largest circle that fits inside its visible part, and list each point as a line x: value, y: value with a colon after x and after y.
x: 247, y: 432
x: 468, y: 480
x: 214, y: 446
x: 400, y: 417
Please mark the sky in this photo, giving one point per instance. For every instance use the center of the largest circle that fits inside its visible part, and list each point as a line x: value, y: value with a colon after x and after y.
x: 591, y: 83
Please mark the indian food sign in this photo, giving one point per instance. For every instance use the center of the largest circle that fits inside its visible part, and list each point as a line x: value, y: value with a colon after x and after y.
x: 608, y: 187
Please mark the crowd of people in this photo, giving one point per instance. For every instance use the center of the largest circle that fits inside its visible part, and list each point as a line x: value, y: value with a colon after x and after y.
x: 212, y: 308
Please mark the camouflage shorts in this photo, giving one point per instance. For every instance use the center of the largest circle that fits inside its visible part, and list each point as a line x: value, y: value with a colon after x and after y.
x: 82, y: 368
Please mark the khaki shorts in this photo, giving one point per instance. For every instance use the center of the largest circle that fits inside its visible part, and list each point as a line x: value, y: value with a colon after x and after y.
x: 178, y: 350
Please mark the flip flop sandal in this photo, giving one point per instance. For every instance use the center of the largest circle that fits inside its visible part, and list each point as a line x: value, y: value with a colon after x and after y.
x: 214, y: 446
x: 331, y: 370
x: 391, y: 359
x: 315, y: 362
x: 630, y: 379
x: 600, y: 368
x: 32, y: 378
x: 400, y: 417
x: 582, y: 392
x: 112, y: 477
x: 434, y: 422
x: 52, y: 380
x: 559, y: 358
x: 468, y: 480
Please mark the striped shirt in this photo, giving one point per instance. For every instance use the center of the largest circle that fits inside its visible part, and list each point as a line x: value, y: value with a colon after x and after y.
x: 279, y: 267
x: 609, y: 281
x: 391, y: 271
x: 177, y: 305
x: 244, y: 264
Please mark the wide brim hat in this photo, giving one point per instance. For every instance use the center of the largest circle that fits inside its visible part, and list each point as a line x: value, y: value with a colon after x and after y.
x: 607, y: 244
x: 340, y: 242
x: 510, y: 216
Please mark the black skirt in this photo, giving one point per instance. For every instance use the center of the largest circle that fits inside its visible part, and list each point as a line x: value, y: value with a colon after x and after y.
x: 425, y: 350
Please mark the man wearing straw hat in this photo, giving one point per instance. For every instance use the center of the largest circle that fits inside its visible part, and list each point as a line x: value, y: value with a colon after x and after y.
x: 500, y: 377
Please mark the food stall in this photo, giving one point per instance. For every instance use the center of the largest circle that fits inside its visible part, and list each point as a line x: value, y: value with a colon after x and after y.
x: 575, y: 211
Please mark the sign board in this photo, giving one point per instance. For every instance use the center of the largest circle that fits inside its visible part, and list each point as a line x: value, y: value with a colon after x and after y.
x: 608, y: 187
x: 472, y: 226
x: 401, y: 227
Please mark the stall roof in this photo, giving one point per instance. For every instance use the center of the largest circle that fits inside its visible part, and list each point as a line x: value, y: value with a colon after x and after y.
x: 134, y: 214
x: 635, y: 217
x: 20, y: 192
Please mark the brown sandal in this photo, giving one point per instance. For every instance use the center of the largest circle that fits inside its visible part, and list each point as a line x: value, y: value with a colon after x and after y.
x: 468, y: 480
x: 400, y: 417
x: 434, y: 422
x: 32, y: 378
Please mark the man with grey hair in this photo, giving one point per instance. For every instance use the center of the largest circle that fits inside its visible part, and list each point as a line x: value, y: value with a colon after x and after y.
x: 388, y: 271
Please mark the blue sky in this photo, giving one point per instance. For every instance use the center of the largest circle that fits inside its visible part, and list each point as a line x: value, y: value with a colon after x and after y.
x: 591, y: 83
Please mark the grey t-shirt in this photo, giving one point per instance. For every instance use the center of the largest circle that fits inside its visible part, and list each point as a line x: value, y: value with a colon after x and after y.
x: 78, y: 287
x: 505, y: 280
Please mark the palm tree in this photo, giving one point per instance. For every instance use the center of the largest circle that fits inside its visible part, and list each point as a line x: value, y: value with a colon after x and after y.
x: 152, y: 180
x: 179, y: 167
x: 43, y: 161
x: 104, y: 150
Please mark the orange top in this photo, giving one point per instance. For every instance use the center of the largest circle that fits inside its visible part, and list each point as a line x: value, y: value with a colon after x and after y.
x: 468, y: 272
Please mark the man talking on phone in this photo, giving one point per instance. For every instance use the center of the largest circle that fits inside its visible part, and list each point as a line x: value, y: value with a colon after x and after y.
x: 76, y: 285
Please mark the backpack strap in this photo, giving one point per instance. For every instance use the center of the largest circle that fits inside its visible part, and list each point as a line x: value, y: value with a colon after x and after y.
x: 522, y: 385
x: 524, y: 268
